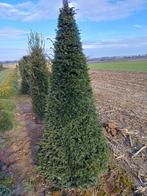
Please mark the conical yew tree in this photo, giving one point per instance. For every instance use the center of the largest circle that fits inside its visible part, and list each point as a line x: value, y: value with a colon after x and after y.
x: 24, y: 68
x: 73, y: 150
x: 39, y: 74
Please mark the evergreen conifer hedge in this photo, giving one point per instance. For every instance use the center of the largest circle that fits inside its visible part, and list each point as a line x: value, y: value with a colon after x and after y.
x: 73, y: 150
x: 24, y: 68
x: 39, y: 74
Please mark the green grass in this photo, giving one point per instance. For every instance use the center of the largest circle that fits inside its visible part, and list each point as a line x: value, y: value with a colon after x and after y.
x: 8, y: 91
x: 6, y: 120
x: 137, y: 66
x: 7, y: 104
x: 8, y: 84
x: 1, y: 67
x: 3, y: 75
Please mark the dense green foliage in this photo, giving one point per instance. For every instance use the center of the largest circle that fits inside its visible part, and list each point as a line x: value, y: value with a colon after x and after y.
x: 39, y: 74
x: 6, y: 120
x: 24, y: 68
x: 73, y: 150
x: 137, y: 66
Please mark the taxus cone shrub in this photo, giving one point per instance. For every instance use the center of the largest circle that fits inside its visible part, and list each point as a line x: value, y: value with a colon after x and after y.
x: 24, y: 68
x: 73, y: 150
x: 39, y: 74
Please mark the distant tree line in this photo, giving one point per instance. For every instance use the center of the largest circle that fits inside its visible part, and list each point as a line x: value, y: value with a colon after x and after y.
x: 9, y: 62
x: 116, y: 58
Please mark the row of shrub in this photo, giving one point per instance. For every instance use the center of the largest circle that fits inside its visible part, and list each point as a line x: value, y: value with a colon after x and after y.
x: 35, y: 74
x: 73, y: 150
x: 7, y: 104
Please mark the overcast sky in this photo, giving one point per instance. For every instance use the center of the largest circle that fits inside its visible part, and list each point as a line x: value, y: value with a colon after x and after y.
x: 108, y: 27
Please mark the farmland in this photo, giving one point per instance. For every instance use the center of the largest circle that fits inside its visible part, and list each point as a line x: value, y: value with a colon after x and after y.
x: 71, y: 125
x: 137, y: 66
x: 121, y: 97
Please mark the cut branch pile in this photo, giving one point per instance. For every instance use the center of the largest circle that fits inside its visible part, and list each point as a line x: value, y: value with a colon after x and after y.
x: 129, y: 149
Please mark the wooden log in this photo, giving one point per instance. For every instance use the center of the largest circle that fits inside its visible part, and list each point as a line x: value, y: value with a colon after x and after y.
x: 144, y: 147
x: 130, y: 138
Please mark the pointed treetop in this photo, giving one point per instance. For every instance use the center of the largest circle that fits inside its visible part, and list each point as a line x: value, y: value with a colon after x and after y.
x: 65, y: 2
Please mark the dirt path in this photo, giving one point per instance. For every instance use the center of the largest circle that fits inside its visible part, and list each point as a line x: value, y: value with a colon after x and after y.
x: 20, y: 146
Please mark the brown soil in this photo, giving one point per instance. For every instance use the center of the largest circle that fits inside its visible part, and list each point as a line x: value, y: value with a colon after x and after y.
x: 121, y: 97
x: 18, y: 149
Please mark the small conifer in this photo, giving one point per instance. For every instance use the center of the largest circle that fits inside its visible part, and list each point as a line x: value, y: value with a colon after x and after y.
x: 73, y: 150
x: 39, y: 74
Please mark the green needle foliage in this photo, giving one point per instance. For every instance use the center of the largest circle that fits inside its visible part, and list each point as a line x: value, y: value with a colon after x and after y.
x: 73, y: 150
x: 39, y: 74
x: 24, y: 68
